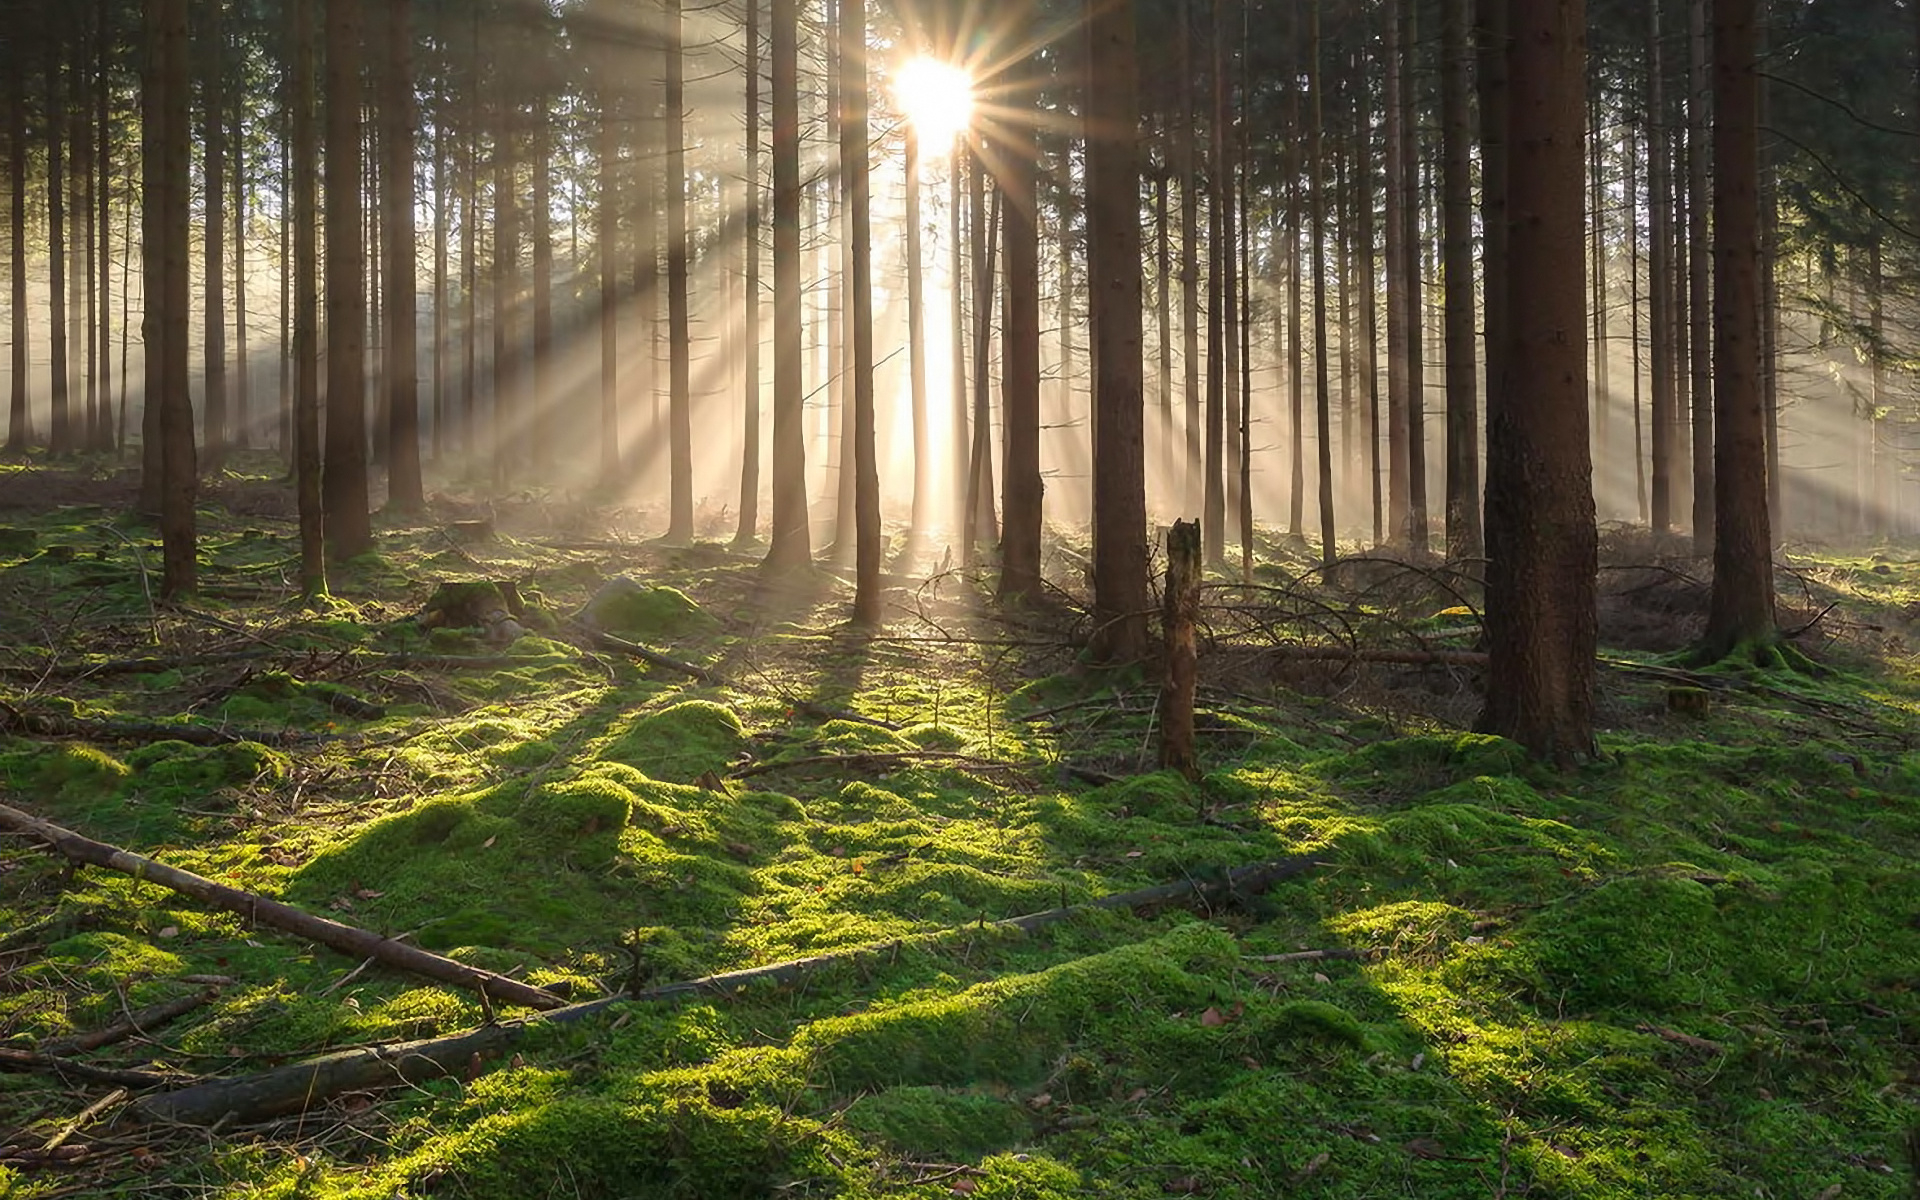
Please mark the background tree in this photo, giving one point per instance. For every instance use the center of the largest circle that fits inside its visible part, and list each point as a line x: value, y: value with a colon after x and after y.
x: 344, y: 478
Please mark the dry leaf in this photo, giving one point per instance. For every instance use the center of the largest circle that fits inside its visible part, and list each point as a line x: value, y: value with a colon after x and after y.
x: 368, y: 894
x: 1213, y: 1018
x: 1425, y: 1147
x: 171, y: 931
x: 517, y: 1061
x: 1135, y: 853
x: 1040, y: 1101
x: 1320, y: 978
x: 1137, y: 1094
x: 1250, y: 1063
x: 1420, y: 1060
x: 963, y: 1186
x: 488, y: 844
x: 1831, y: 1192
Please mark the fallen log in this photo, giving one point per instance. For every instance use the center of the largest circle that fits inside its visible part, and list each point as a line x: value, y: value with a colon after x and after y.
x: 653, y: 658
x: 347, y: 939
x: 297, y: 1086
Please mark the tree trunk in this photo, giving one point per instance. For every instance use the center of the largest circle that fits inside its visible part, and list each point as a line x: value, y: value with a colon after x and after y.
x: 1189, y: 268
x: 1699, y: 279
x: 542, y: 414
x: 868, y: 547
x: 917, y: 351
x: 1322, y: 392
x: 507, y: 402
x: 166, y: 240
x: 1659, y: 278
x: 957, y: 334
x: 1411, y: 244
x: 213, y: 229
x: 1120, y: 604
x: 304, y: 184
x: 1399, y: 333
x: 1169, y: 496
x: 242, y: 432
x: 606, y: 256
x: 1365, y: 190
x: 441, y: 167
x: 1179, y: 610
x: 791, y: 540
x: 1769, y: 287
x: 1021, y: 500
x: 18, y: 433
x: 344, y: 480
x: 1463, y: 417
x: 402, y: 376
x: 750, y: 319
x: 1741, y: 610
x: 1492, y: 43
x: 56, y: 123
x: 1213, y: 516
x: 680, y: 360
x: 1541, y: 540
x: 1633, y: 317
x: 978, y: 523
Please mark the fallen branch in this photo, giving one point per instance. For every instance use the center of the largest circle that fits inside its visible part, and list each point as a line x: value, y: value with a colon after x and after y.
x: 48, y: 725
x: 880, y: 758
x: 67, y: 1068
x: 1405, y: 658
x: 653, y: 658
x: 1683, y: 1039
x: 1312, y: 956
x: 80, y: 1122
x: 298, y: 1086
x: 151, y: 1017
x: 344, y: 938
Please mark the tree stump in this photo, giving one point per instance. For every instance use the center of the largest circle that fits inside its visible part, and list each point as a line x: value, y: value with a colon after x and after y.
x: 1180, y: 605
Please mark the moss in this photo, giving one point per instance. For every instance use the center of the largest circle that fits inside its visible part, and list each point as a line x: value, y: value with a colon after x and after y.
x: 1638, y: 943
x: 680, y: 743
x: 195, y: 769
x: 629, y: 608
x: 68, y: 772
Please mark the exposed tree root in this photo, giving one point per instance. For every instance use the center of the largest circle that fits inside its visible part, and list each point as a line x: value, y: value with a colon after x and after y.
x: 298, y: 1086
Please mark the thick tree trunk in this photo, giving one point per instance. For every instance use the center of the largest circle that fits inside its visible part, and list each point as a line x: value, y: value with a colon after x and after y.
x: 922, y: 514
x: 1189, y: 269
x: 1741, y: 610
x: 401, y: 373
x: 1213, y: 517
x: 978, y: 523
x: 304, y: 186
x: 1463, y: 417
x: 344, y: 479
x: 791, y: 540
x: 1120, y: 604
x: 1541, y: 540
x: 1491, y: 40
x: 1411, y: 245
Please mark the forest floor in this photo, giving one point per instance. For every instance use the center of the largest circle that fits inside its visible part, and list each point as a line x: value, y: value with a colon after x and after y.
x: 1690, y: 968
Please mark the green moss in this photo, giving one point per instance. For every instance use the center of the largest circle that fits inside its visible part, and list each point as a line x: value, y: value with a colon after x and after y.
x: 631, y: 609
x: 940, y: 1124
x: 680, y: 743
x: 1642, y: 942
x: 195, y: 769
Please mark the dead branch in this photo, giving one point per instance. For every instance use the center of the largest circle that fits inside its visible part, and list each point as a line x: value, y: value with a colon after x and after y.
x: 344, y: 938
x: 151, y: 1017
x: 48, y: 725
x: 1313, y: 956
x: 881, y: 758
x: 653, y: 658
x: 297, y: 1086
x: 67, y: 1068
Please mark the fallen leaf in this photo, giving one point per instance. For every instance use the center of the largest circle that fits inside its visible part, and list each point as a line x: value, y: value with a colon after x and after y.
x: 963, y: 1186
x: 1313, y: 1166
x: 1250, y: 1063
x: 369, y: 894
x: 1420, y: 1060
x: 1040, y: 1101
x: 517, y: 1061
x: 488, y: 844
x: 1137, y: 1095
x: 1320, y: 978
x: 171, y: 931
x: 838, y: 852
x: 1135, y: 853
x: 1831, y: 1192
x: 1213, y: 1018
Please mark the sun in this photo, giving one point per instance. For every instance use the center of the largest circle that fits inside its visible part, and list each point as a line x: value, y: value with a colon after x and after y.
x: 936, y: 96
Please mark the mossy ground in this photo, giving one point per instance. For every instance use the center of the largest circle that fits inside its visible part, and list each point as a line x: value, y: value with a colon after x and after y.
x: 1687, y: 969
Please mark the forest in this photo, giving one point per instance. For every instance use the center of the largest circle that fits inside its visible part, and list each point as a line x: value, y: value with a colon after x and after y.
x: 1125, y: 598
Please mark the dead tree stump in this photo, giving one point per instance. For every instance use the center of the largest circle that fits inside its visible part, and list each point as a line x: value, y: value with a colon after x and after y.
x: 1179, y: 606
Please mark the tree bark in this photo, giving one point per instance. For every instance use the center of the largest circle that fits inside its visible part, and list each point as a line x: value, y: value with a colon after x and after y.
x: 1179, y: 609
x: 344, y: 476
x: 1322, y: 392
x: 922, y: 514
x: 214, y: 184
x: 1492, y: 41
x: 1463, y: 417
x: 1741, y: 609
x: 1541, y: 541
x: 868, y: 545
x: 305, y: 171
x: 1659, y: 278
x: 1120, y: 605
x: 1189, y: 268
x: 1022, y: 497
x: 1398, y: 332
x: 61, y: 441
x: 18, y: 416
x: 165, y: 99
x: 242, y: 431
x: 749, y: 523
x: 405, y: 493
x: 790, y: 545
x: 680, y: 360
x: 1410, y: 243
x: 1213, y: 515
x: 1700, y: 305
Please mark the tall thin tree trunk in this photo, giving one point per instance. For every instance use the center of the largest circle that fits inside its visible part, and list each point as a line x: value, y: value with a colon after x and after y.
x: 1323, y: 400
x: 680, y: 398
x: 1699, y: 279
x: 303, y: 183
x: 441, y: 169
x: 1120, y: 601
x: 956, y: 312
x: 791, y: 541
x: 344, y: 480
x: 1399, y: 333
x: 1741, y: 610
x: 750, y: 318
x: 508, y: 404
x: 1660, y: 278
x: 1213, y: 522
x: 1410, y: 243
x: 1365, y: 181
x: 166, y: 105
x: 1189, y: 267
x: 542, y: 414
x: 1633, y: 316
x: 56, y: 124
x: 242, y: 379
x: 917, y: 350
x: 17, y: 412
x: 1022, y: 498
x: 854, y: 163
x: 405, y: 493
x: 214, y: 165
x: 1463, y: 417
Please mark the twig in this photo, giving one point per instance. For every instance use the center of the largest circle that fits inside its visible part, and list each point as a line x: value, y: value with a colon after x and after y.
x: 86, y: 1114
x: 151, y: 1017
x: 1313, y: 956
x: 48, y: 1064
